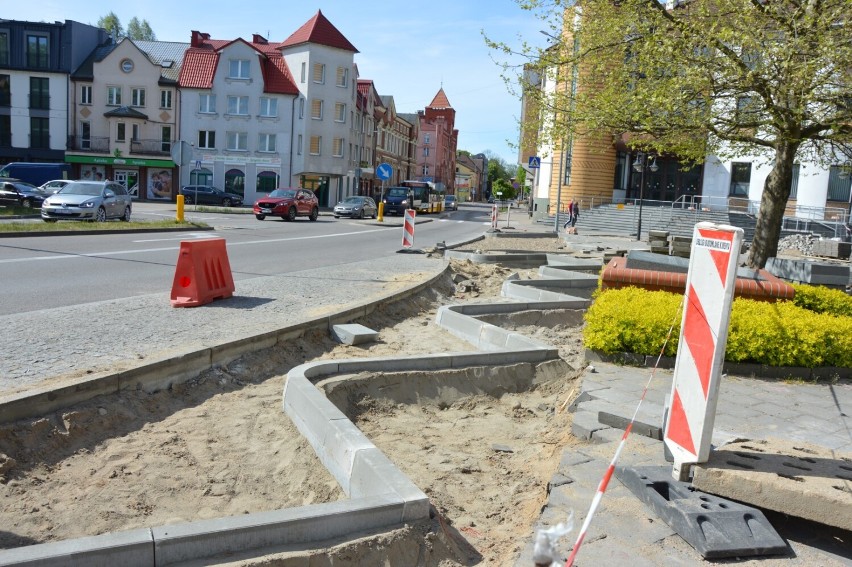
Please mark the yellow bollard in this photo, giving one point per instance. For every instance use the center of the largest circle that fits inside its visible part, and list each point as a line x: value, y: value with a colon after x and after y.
x: 381, y: 217
x: 179, y: 217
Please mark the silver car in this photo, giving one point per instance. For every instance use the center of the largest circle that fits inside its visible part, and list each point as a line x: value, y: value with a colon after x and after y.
x: 88, y: 200
x: 356, y: 207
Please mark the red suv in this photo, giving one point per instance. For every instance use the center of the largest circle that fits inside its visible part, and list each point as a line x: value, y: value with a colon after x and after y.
x: 288, y: 204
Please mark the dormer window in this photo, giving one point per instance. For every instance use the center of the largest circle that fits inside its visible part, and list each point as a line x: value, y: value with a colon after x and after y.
x: 239, y: 69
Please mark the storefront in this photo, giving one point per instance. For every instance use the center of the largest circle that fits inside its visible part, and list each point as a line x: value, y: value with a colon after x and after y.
x: 146, y: 179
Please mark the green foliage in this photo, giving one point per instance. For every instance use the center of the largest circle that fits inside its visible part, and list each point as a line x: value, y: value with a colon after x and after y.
x: 821, y: 299
x: 777, y: 334
x: 506, y: 190
x: 140, y: 30
x: 112, y: 24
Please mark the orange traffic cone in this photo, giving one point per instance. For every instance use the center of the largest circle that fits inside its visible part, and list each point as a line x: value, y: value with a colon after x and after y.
x: 202, y: 274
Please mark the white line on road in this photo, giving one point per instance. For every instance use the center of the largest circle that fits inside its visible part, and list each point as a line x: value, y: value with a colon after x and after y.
x: 183, y: 237
x: 67, y: 255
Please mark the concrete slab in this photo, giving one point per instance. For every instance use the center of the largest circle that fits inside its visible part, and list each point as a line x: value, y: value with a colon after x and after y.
x: 795, y: 478
x: 353, y: 334
x: 132, y: 547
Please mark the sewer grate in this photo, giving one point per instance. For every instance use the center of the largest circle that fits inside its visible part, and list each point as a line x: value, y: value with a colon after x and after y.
x: 714, y: 526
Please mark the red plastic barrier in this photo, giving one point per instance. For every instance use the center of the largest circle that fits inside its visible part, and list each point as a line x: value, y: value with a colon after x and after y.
x: 202, y: 274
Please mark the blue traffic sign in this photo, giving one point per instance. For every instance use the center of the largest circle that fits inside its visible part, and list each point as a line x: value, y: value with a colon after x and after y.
x: 384, y: 171
x: 535, y: 162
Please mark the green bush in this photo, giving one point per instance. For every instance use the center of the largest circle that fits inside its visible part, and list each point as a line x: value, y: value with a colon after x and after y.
x: 778, y: 334
x: 822, y: 299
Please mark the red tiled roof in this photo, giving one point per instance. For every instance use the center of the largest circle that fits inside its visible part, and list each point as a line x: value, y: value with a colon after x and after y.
x: 319, y: 30
x: 440, y: 100
x: 199, y: 65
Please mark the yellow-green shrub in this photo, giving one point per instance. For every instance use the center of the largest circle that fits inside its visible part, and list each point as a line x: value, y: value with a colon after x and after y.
x: 778, y: 334
x: 821, y: 299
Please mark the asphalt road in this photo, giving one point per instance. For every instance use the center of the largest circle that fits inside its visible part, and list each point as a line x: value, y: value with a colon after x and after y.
x: 41, y: 272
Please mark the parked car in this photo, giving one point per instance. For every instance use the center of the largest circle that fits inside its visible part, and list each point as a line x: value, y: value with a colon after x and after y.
x: 450, y: 203
x: 360, y: 207
x: 17, y: 193
x: 208, y: 195
x: 288, y: 204
x: 51, y: 187
x: 88, y: 200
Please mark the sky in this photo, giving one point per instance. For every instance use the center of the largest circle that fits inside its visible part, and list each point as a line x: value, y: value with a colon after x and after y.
x: 409, y: 50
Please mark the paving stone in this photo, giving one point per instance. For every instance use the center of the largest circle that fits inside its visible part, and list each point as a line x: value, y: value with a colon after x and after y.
x: 585, y: 424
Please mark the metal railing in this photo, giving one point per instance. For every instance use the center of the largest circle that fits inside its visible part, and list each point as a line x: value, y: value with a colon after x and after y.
x: 97, y: 144
x: 156, y: 147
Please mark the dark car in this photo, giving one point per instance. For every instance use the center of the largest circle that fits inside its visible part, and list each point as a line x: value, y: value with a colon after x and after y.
x: 95, y: 201
x: 288, y: 204
x: 17, y: 193
x: 356, y: 207
x: 209, y: 195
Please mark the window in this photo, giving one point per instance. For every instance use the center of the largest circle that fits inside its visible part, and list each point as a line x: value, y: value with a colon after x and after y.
x: 425, y: 170
x: 266, y: 143
x: 238, y: 105
x: 238, y: 69
x: 4, y: 48
x: 740, y: 179
x: 235, y: 181
x: 426, y: 152
x: 301, y: 108
x: 299, y: 146
x: 316, y: 145
x: 426, y: 138
x: 39, y: 93
x: 319, y: 73
x: 303, y: 71
x: 316, y: 109
x: 114, y: 96
x: 39, y: 133
x: 5, y: 130
x: 267, y: 181
x: 337, y: 147
x: 165, y: 99
x: 207, y: 103
x: 201, y: 176
x: 207, y: 139
x: 794, y: 183
x: 86, y: 94
x: 85, y: 135
x: 137, y: 97
x: 166, y: 139
x: 339, y: 112
x: 268, y: 106
x: 119, y: 132
x: 342, y: 76
x: 37, y: 55
x: 134, y: 132
x: 5, y: 90
x: 237, y: 141
x: 839, y: 183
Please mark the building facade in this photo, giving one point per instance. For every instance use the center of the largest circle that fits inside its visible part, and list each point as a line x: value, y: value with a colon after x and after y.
x: 36, y: 60
x: 438, y: 144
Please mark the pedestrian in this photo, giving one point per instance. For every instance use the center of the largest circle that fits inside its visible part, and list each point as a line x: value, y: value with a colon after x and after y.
x: 575, y: 213
x: 570, y: 215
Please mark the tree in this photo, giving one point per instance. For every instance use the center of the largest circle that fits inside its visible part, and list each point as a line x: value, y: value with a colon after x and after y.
x: 112, y: 24
x: 708, y: 77
x: 140, y: 30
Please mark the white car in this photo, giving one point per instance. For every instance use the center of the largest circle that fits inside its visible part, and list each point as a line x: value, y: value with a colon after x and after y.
x: 450, y: 203
x: 51, y: 187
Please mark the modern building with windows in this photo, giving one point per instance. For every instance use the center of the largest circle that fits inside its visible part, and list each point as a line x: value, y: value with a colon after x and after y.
x: 36, y: 59
x: 125, y: 116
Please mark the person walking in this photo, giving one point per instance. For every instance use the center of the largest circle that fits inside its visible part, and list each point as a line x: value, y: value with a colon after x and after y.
x: 570, y: 215
x: 575, y: 213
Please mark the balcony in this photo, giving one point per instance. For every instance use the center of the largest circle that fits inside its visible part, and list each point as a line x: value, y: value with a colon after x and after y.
x: 151, y: 147
x: 94, y: 144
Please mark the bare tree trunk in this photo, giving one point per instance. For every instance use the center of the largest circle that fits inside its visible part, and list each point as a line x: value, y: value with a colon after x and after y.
x: 776, y: 191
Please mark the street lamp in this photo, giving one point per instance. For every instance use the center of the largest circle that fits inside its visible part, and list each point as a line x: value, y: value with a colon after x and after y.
x: 639, y: 166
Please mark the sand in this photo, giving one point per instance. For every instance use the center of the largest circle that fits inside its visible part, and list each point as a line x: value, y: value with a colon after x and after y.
x: 221, y: 445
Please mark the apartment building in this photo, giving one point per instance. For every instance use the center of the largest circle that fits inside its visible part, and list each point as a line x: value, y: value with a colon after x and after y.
x: 125, y: 116
x: 36, y: 60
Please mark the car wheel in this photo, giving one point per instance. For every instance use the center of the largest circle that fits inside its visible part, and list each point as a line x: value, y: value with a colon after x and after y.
x: 126, y: 216
x: 100, y: 216
x: 314, y: 214
x: 260, y: 217
x: 337, y: 216
x: 226, y: 202
x: 49, y: 220
x: 291, y: 214
x: 363, y: 214
x: 27, y: 204
x: 375, y: 214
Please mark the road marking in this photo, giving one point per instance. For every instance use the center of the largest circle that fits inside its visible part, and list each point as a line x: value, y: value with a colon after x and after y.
x: 192, y: 234
x: 69, y: 255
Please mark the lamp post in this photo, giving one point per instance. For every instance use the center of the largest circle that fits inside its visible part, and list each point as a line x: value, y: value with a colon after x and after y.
x: 639, y: 166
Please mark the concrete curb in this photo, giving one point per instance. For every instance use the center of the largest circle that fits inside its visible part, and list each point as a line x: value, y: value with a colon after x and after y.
x: 106, y: 231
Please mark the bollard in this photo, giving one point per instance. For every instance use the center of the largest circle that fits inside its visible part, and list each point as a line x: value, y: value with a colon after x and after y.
x: 381, y: 216
x: 179, y: 216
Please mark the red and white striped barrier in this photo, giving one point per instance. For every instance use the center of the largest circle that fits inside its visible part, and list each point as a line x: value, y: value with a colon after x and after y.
x: 408, y: 229
x: 494, y: 216
x: 691, y: 407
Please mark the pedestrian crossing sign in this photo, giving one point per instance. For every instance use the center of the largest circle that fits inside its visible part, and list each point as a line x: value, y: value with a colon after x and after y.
x: 535, y: 162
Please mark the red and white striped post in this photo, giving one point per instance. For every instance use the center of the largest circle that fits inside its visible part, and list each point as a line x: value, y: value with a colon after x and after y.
x: 408, y: 229
x: 494, y: 216
x: 691, y: 407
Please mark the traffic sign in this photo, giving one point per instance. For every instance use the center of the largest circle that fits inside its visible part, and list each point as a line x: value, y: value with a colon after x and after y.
x: 535, y: 162
x: 384, y: 171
